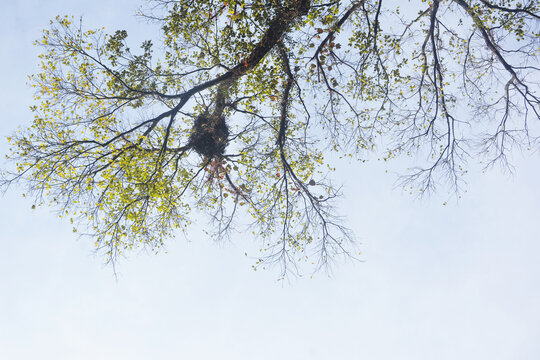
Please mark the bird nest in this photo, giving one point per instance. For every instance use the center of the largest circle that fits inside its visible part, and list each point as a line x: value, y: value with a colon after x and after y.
x: 209, y: 135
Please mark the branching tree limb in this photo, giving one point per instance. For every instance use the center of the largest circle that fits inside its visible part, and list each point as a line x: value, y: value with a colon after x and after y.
x: 232, y: 114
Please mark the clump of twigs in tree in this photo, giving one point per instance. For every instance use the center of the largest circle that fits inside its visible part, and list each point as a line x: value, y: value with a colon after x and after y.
x: 209, y: 135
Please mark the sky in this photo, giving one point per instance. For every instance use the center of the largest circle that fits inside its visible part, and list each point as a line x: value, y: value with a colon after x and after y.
x: 455, y: 281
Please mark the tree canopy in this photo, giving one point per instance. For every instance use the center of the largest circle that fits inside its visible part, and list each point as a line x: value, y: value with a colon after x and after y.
x: 232, y: 113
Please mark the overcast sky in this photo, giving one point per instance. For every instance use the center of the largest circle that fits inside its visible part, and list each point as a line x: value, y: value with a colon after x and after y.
x: 459, y: 281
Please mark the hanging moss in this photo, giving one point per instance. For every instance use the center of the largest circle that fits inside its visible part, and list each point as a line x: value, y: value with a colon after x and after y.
x: 209, y: 135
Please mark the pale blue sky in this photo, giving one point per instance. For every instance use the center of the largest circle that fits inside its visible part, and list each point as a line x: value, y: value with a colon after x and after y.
x: 459, y: 281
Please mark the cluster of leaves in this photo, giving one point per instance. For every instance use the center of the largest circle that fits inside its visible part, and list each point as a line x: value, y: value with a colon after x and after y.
x: 112, y: 142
